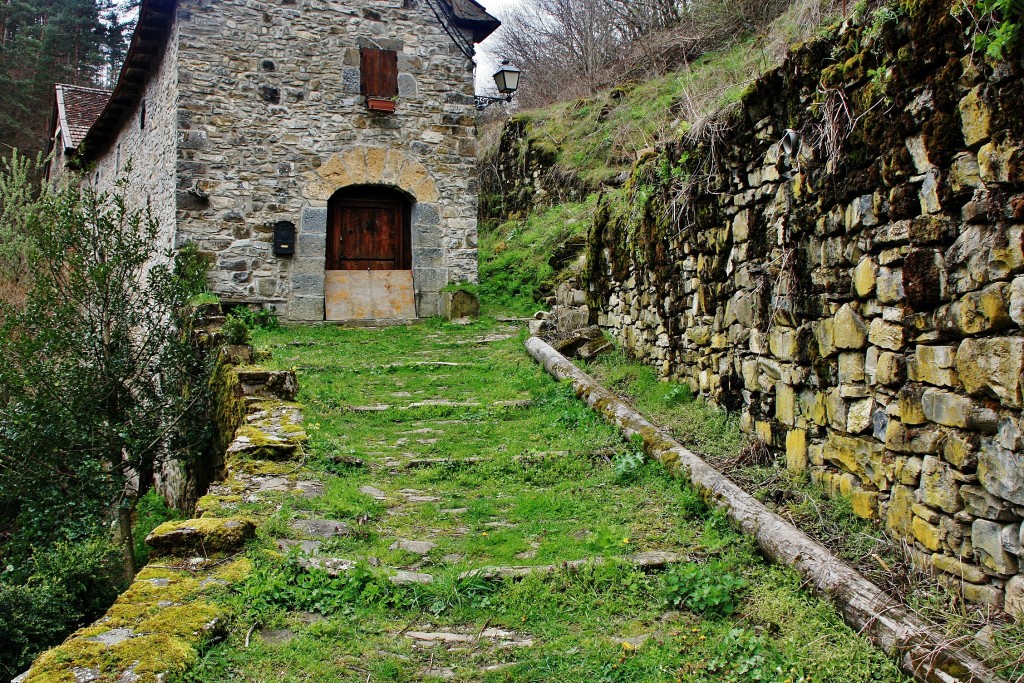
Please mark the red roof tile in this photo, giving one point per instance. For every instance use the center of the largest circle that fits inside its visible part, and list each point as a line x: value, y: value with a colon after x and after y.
x: 77, y: 109
x: 473, y: 16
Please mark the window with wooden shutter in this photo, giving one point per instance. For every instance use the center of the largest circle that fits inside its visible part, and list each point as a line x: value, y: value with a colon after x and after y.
x: 378, y: 70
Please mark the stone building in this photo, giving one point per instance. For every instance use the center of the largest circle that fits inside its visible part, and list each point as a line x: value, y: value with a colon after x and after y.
x: 317, y: 150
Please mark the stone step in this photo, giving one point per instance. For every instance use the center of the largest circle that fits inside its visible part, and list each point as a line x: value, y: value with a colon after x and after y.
x: 498, y: 636
x: 441, y: 403
x: 204, y: 535
x: 419, y: 463
x: 415, y: 547
x: 373, y: 492
x: 403, y: 577
x: 517, y: 403
x: 321, y: 528
x: 417, y: 496
x: 482, y: 341
x: 651, y: 559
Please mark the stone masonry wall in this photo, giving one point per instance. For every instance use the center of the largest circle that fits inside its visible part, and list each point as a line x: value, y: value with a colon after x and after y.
x: 271, y: 124
x: 860, y: 301
x: 158, y: 627
x: 150, y: 150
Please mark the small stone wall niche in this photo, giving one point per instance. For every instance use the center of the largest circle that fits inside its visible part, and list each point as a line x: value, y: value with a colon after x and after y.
x: 859, y: 301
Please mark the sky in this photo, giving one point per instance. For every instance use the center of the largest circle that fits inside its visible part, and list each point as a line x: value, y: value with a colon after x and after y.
x: 486, y: 60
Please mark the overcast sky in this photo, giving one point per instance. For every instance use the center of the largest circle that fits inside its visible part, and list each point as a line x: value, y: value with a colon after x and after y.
x: 486, y: 60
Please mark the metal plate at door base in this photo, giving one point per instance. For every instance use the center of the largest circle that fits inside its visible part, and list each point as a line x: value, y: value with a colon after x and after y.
x: 369, y: 295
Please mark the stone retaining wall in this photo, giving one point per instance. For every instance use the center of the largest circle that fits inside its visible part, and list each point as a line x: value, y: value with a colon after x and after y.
x: 861, y: 300
x: 158, y: 626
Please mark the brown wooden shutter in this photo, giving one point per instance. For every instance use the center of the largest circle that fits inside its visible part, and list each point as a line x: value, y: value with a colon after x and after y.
x: 378, y: 71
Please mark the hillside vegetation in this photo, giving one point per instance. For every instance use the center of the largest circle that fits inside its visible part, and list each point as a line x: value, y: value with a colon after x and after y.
x: 642, y: 158
x: 543, y: 169
x: 581, y: 148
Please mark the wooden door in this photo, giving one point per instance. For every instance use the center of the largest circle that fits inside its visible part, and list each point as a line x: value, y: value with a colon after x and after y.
x: 369, y: 256
x: 369, y: 230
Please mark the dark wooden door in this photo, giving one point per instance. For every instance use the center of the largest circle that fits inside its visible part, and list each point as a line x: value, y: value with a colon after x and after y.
x: 368, y: 230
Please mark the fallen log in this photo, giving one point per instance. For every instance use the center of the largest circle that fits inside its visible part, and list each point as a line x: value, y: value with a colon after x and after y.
x: 921, y: 651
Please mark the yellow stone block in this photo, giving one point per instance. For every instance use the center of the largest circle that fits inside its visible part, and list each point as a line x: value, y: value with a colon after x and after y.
x: 899, y: 515
x: 354, y: 162
x: 393, y: 166
x: 763, y: 431
x: 865, y: 276
x: 929, y: 535
x: 865, y: 504
x: 416, y: 180
x: 335, y: 172
x: 812, y: 406
x: 319, y: 190
x: 975, y: 117
x: 375, y: 157
x: 796, y: 450
x: 785, y: 404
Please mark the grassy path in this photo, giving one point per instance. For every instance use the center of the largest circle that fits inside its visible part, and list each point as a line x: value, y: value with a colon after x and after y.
x: 443, y: 453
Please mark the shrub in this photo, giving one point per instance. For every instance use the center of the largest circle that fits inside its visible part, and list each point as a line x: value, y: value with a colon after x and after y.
x: 235, y: 330
x: 71, y: 585
x: 150, y: 512
x: 289, y: 586
x: 627, y: 465
x: 1000, y: 22
x: 100, y: 379
x: 257, y: 318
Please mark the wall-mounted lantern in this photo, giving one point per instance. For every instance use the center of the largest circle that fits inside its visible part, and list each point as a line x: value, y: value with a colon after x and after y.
x: 284, y: 238
x: 507, y: 80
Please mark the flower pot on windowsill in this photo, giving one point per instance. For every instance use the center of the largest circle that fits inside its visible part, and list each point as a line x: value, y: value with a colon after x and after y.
x: 381, y: 104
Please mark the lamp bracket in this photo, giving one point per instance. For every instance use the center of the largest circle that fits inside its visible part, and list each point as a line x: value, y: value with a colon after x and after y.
x: 484, y: 101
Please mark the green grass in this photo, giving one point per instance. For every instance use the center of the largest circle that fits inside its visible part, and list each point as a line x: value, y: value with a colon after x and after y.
x: 515, y: 268
x: 704, y: 429
x: 533, y: 484
x: 599, y: 138
x: 596, y: 140
x: 715, y: 435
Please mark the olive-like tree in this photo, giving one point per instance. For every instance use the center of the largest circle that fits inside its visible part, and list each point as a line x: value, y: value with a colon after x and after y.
x: 100, y: 381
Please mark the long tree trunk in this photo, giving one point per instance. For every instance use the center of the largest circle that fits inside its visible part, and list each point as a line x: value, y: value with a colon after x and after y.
x: 922, y: 652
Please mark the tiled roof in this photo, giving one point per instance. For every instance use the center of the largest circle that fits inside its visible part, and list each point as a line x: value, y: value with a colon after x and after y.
x: 474, y: 11
x: 77, y: 109
x: 473, y: 16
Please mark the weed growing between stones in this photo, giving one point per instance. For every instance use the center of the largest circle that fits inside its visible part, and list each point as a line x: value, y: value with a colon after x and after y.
x: 471, y: 459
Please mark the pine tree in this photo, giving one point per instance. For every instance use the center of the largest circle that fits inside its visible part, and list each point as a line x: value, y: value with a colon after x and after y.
x: 43, y: 42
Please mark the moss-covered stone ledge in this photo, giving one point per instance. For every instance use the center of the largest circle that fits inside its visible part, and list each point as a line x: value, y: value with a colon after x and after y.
x: 158, y: 627
x: 208, y: 535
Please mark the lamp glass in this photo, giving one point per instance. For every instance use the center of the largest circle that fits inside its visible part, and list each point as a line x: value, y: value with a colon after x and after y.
x: 507, y: 79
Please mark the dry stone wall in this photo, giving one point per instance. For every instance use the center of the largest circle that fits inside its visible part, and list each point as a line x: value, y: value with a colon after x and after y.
x: 158, y: 627
x: 859, y: 300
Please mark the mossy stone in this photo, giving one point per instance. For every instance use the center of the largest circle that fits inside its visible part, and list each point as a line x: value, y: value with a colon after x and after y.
x: 209, y: 535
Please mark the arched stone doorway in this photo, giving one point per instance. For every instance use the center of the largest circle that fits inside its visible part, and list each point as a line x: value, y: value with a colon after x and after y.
x: 369, y: 255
